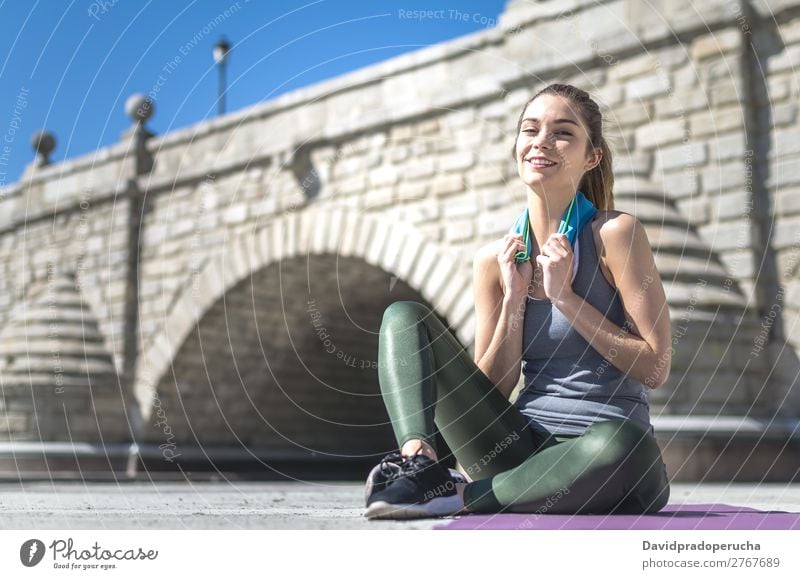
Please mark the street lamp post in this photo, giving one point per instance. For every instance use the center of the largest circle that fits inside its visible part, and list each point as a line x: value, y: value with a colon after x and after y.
x: 221, y: 50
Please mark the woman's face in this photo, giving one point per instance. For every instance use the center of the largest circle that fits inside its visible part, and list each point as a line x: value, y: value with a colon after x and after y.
x: 551, y: 147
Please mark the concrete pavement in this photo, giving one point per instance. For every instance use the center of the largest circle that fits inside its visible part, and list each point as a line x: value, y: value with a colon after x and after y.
x: 266, y: 505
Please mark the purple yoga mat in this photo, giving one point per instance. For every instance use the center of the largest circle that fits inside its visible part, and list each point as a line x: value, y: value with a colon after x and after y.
x: 671, y: 518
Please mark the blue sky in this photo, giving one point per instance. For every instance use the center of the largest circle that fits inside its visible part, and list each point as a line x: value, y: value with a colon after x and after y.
x: 69, y: 66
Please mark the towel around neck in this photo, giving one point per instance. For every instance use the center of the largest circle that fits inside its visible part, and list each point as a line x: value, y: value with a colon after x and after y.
x: 577, y: 214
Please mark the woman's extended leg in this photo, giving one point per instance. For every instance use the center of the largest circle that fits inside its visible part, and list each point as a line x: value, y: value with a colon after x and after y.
x: 614, y: 466
x: 429, y: 380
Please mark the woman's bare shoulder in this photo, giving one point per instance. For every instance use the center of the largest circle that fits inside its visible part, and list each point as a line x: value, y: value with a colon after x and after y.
x: 489, y: 250
x: 610, y: 217
x: 613, y: 227
x: 613, y: 232
x: 486, y: 260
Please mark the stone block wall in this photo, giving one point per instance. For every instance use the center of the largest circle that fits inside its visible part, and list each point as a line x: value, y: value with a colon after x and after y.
x: 62, y: 307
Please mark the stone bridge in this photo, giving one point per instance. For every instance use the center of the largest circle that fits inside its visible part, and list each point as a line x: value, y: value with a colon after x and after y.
x: 219, y: 289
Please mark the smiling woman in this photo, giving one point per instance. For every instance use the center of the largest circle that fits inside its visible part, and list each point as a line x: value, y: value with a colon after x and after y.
x: 587, y: 334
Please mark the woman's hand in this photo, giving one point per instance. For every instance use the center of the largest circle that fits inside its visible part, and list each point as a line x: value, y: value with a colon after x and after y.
x: 556, y: 259
x: 516, y: 276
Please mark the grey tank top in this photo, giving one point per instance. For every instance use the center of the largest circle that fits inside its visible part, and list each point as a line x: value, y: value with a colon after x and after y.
x: 568, y: 384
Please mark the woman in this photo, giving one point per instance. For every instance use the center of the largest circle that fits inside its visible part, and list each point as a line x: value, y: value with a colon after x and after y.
x: 587, y: 323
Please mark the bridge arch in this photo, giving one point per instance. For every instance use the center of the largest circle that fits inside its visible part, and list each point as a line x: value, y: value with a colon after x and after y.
x: 359, y: 264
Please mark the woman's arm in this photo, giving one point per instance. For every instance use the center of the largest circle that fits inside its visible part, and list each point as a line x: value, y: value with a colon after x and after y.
x: 644, y: 349
x: 499, y: 314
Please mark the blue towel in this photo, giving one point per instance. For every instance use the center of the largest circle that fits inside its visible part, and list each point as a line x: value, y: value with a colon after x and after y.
x: 578, y: 213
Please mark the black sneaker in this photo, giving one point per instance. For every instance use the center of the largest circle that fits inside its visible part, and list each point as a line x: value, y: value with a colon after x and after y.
x: 416, y: 487
x: 382, y: 473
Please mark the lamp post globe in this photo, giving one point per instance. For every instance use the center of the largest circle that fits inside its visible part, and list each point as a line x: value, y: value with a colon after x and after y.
x: 221, y: 50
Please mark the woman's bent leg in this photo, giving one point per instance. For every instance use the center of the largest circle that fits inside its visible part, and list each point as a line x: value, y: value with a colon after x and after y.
x: 614, y: 466
x: 429, y: 381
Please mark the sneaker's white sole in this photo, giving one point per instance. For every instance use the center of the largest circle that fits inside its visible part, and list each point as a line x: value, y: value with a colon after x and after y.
x: 438, y: 507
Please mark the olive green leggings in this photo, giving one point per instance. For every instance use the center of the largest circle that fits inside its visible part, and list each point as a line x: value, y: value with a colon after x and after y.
x: 429, y: 382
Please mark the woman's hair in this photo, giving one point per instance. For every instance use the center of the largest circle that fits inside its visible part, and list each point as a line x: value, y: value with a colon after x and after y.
x: 598, y: 183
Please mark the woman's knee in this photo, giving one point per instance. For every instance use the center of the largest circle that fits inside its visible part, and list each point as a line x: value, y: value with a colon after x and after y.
x: 633, y: 452
x: 404, y: 312
x: 651, y: 492
x: 661, y: 499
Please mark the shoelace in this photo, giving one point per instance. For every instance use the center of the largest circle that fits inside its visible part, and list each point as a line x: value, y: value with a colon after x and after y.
x: 409, y: 467
x: 394, y: 458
